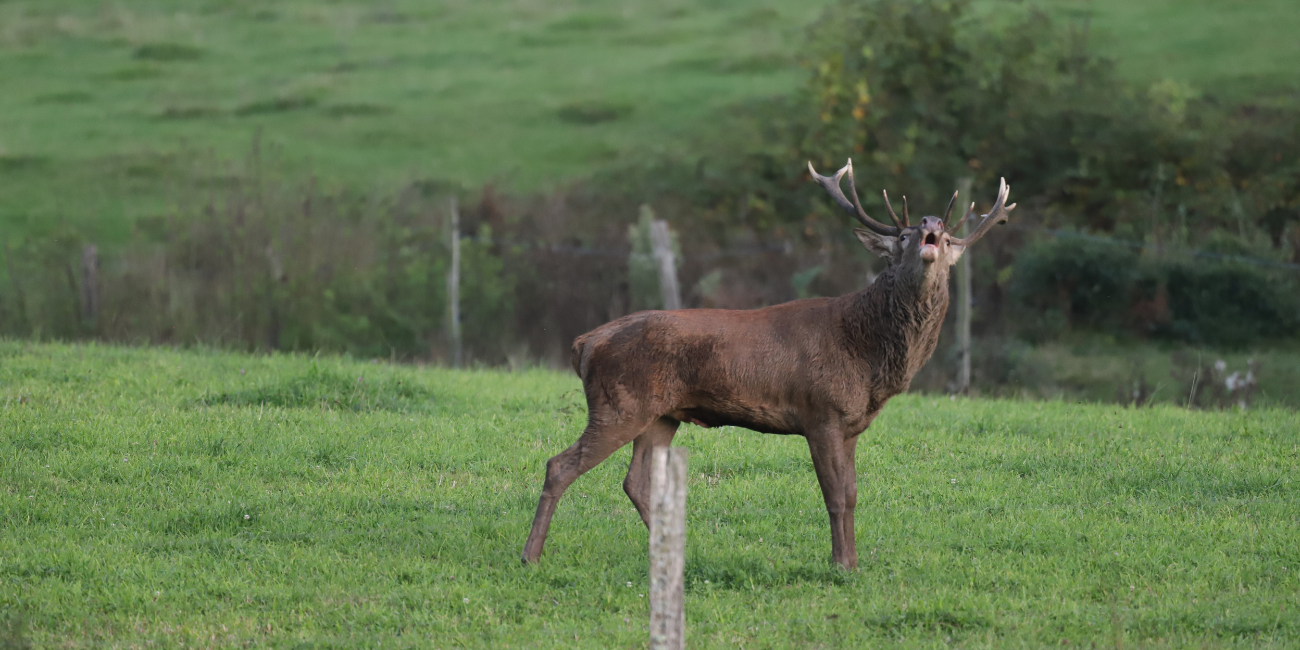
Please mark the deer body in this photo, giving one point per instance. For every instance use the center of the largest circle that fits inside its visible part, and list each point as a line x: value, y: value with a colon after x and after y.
x: 820, y: 368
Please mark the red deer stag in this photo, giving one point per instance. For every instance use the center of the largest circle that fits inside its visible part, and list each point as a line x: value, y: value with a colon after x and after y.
x: 821, y: 368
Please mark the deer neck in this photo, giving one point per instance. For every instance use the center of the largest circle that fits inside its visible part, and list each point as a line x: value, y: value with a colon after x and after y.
x: 893, y: 325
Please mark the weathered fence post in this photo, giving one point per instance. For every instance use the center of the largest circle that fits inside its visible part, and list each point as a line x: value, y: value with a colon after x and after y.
x: 90, y: 285
x: 453, y: 285
x: 667, y: 547
x: 663, y: 246
x: 963, y: 303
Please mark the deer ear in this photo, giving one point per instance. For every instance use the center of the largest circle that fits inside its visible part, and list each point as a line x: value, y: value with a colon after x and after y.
x: 954, y: 253
x: 882, y: 245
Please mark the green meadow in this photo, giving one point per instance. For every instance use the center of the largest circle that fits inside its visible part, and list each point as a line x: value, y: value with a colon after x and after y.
x: 115, y: 111
x: 154, y: 498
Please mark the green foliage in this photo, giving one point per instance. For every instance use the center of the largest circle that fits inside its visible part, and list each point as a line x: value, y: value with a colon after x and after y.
x: 1097, y: 285
x: 488, y: 296
x: 1086, y: 282
x: 1230, y: 304
x: 928, y: 94
x: 925, y: 92
x: 135, y: 514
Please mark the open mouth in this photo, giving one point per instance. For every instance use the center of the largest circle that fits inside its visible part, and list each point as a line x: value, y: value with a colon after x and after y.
x: 930, y: 247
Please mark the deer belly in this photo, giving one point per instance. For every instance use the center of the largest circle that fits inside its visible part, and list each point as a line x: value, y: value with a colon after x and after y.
x: 709, y: 418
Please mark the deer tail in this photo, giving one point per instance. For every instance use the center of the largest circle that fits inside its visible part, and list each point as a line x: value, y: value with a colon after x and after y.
x: 582, y: 355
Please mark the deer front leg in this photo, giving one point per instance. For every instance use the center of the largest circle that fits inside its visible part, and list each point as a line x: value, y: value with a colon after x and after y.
x: 833, y: 458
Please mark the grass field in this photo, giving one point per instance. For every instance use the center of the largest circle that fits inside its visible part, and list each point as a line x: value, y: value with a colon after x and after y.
x: 151, y: 498
x: 106, y: 104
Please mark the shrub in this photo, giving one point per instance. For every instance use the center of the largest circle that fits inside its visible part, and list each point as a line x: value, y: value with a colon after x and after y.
x: 1086, y: 282
x: 1229, y: 305
x: 1075, y: 282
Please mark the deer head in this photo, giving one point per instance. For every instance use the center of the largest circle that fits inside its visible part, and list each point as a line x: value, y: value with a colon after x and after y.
x: 925, y: 248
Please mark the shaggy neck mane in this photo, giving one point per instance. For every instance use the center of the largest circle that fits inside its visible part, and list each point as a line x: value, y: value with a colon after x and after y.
x: 895, y: 323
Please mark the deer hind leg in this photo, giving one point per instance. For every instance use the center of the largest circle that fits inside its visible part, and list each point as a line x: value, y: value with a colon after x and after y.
x: 637, y: 484
x: 597, y: 442
x: 833, y: 459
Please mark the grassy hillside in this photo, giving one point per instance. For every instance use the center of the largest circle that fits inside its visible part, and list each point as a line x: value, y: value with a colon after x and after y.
x: 1230, y: 49
x: 161, y: 498
x: 520, y: 92
x: 106, y: 105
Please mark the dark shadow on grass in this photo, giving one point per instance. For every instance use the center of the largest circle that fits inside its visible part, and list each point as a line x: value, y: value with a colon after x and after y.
x: 11, y: 162
x: 757, y: 64
x: 167, y: 52
x: 330, y: 390
x: 1203, y: 482
x: 188, y: 112
x: 580, y: 21
x: 135, y: 73
x: 20, y: 572
x: 1256, y: 624
x: 230, y: 519
x: 66, y: 97
x: 13, y: 631
x: 37, y: 439
x: 593, y: 112
x: 743, y: 573
x: 927, y: 619
x: 282, y: 104
x: 357, y: 110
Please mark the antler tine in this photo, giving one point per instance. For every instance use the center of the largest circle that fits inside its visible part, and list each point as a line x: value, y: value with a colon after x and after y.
x: 995, y: 216
x: 854, y: 208
x: 890, y: 208
x: 907, y: 219
x: 951, y: 202
x: 969, y: 211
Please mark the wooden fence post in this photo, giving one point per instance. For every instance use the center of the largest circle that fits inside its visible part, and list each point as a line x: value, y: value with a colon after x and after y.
x: 663, y: 246
x: 963, y: 301
x: 667, y: 547
x: 90, y: 285
x: 453, y: 285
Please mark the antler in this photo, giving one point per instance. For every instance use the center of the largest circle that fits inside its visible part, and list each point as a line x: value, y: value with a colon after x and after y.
x: 832, y: 185
x: 951, y: 202
x: 969, y: 211
x: 995, y: 216
x: 890, y: 208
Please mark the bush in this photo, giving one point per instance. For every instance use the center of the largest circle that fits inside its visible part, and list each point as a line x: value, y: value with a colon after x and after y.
x: 1072, y: 282
x: 922, y: 93
x: 1229, y: 305
x: 1085, y: 283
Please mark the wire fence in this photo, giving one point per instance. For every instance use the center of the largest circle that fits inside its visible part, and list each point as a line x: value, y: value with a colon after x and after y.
x: 788, y: 247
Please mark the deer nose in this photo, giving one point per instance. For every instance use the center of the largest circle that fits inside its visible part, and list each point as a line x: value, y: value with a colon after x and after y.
x: 931, y: 224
